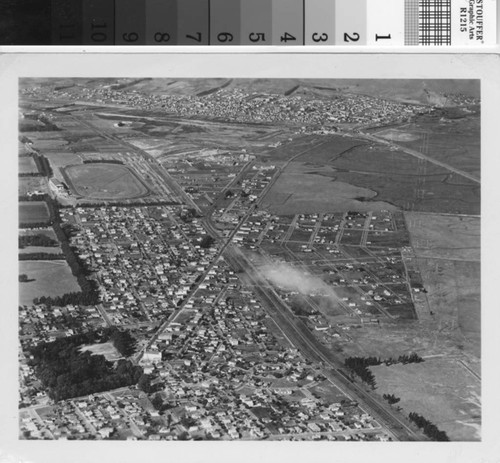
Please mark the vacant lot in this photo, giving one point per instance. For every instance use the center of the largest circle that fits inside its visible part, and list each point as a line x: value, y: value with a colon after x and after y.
x: 33, y: 212
x: 441, y: 390
x: 52, y: 278
x: 104, y: 181
x: 445, y: 236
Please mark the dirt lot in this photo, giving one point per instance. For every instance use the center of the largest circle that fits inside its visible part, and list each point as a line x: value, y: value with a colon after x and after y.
x: 106, y: 348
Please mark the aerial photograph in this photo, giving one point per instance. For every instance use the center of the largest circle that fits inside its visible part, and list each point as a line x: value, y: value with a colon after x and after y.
x: 249, y: 259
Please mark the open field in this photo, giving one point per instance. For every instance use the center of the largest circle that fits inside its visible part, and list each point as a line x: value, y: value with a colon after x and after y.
x: 52, y: 278
x: 27, y: 165
x: 366, y: 177
x: 44, y: 249
x: 455, y: 142
x: 445, y: 236
x: 298, y: 191
x: 104, y: 181
x: 106, y: 348
x: 441, y: 390
x: 39, y: 231
x: 31, y: 184
x: 448, y: 252
x: 455, y: 300
x: 33, y: 212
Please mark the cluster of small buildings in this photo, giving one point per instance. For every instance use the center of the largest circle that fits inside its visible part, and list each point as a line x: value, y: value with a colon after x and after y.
x: 223, y: 373
x: 147, y: 259
x: 238, y: 105
x: 124, y: 414
x: 359, y: 253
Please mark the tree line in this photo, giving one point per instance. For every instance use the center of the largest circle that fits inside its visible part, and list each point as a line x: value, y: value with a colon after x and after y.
x: 67, y: 372
x: 37, y: 240
x: 103, y: 161
x: 26, y: 198
x: 41, y: 256
x: 359, y: 365
x: 430, y: 429
x: 89, y: 294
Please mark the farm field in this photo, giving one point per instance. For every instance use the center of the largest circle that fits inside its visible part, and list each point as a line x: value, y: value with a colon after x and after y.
x: 27, y: 165
x: 440, y: 389
x: 52, y: 278
x: 104, y: 181
x: 31, y: 184
x: 33, y: 212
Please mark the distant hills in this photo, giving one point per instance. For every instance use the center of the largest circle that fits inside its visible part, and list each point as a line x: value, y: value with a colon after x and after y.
x: 428, y: 91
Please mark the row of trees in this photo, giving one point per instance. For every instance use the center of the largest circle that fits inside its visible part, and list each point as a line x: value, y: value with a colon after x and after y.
x: 67, y: 372
x: 34, y: 225
x: 123, y: 341
x: 43, y: 165
x: 89, y: 294
x: 103, y: 161
x: 430, y: 429
x: 90, y: 297
x: 33, y: 197
x: 36, y: 240
x: 359, y: 365
x: 41, y: 256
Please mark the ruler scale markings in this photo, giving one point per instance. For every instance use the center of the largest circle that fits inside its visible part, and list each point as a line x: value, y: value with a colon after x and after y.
x: 385, y: 22
x: 256, y: 22
x: 130, y: 22
x: 66, y: 22
x: 225, y: 22
x: 287, y: 22
x: 350, y: 22
x: 193, y: 22
x: 161, y: 22
x: 281, y: 22
x: 319, y: 22
x: 98, y: 22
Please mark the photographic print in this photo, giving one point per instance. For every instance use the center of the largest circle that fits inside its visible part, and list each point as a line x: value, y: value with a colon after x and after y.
x: 249, y: 259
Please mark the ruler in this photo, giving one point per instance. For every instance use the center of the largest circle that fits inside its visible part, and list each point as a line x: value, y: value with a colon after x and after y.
x: 346, y: 23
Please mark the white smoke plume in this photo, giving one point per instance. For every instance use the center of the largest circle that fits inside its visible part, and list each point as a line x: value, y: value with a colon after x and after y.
x: 289, y: 278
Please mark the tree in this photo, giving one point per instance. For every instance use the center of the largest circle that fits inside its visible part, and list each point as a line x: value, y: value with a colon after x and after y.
x: 157, y: 401
x: 207, y: 241
x: 145, y: 383
x: 391, y: 398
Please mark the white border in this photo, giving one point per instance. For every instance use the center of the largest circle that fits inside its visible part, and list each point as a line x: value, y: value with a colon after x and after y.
x: 249, y: 65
